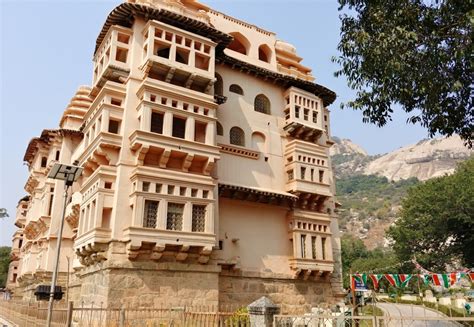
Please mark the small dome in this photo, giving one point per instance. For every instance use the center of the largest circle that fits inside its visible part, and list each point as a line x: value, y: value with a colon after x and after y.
x: 285, y: 46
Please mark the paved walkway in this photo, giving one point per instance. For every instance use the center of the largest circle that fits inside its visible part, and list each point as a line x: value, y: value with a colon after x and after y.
x: 401, y: 314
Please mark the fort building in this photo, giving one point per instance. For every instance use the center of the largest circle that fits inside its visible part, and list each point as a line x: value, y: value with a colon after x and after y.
x: 207, y: 181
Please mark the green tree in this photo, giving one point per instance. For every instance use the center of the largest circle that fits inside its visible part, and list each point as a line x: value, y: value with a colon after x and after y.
x: 4, y: 263
x: 437, y: 221
x: 412, y: 53
x: 357, y: 258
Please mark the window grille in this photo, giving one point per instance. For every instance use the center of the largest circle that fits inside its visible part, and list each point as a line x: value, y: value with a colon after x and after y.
x: 174, y: 219
x: 237, y: 136
x: 262, y: 104
x: 303, y: 246
x: 156, y: 123
x: 324, y: 247
x: 234, y: 88
x: 179, y: 127
x: 290, y: 175
x: 150, y: 214
x: 199, y: 218
x: 313, y: 246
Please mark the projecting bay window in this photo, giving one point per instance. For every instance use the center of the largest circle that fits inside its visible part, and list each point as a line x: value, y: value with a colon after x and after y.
x: 150, y: 214
x: 174, y: 217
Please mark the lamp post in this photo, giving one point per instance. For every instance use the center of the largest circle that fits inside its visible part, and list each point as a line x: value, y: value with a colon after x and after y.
x: 69, y: 174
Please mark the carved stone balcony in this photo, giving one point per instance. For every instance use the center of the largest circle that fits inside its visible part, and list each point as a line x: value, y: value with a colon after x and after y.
x: 156, y: 243
x: 111, y: 61
x: 303, y: 115
x: 308, y: 267
x: 164, y: 151
x: 178, y: 57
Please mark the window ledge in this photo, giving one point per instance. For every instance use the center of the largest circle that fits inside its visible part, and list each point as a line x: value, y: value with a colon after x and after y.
x: 239, y: 151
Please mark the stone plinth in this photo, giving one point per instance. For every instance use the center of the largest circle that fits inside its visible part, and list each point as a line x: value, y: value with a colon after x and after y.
x: 445, y: 300
x: 262, y: 311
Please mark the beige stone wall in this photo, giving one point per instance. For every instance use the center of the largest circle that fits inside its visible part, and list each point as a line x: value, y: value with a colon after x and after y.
x: 294, y: 296
x: 151, y: 285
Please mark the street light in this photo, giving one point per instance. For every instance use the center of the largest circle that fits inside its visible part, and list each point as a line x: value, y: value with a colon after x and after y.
x: 69, y: 174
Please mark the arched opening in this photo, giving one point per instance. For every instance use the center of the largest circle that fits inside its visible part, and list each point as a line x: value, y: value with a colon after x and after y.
x: 234, y: 88
x: 220, y: 130
x: 258, y: 141
x: 262, y: 104
x: 240, y: 43
x: 219, y: 85
x: 237, y: 136
x: 264, y: 53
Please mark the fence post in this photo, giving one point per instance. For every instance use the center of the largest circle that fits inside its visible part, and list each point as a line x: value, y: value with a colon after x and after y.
x: 122, y: 317
x: 262, y: 311
x: 69, y: 314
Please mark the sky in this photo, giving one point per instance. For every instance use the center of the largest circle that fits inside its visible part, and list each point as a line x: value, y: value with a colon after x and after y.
x: 46, y: 53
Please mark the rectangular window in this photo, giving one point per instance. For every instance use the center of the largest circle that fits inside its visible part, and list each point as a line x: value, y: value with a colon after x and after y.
x: 306, y: 114
x: 303, y: 246
x: 312, y: 174
x: 114, y: 126
x: 44, y: 162
x: 199, y: 218
x: 297, y: 112
x: 150, y: 214
x: 174, y: 218
x: 323, y: 249
x: 50, y: 207
x: 158, y: 188
x: 290, y: 175
x: 313, y: 246
x: 156, y: 123
x: 146, y: 186
x: 321, y: 176
x: 303, y: 172
x: 315, y: 117
x: 179, y: 127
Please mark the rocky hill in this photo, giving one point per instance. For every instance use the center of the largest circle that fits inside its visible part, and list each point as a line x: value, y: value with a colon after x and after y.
x: 424, y: 160
x: 370, y: 188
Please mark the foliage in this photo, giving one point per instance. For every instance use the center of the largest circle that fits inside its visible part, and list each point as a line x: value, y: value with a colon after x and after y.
x: 412, y: 53
x: 357, y: 258
x: 239, y: 318
x: 370, y: 196
x: 437, y: 220
x: 4, y: 263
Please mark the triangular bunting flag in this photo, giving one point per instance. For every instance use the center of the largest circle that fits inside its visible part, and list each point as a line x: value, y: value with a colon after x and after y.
x: 404, y: 279
x: 375, y: 279
x: 361, y: 278
x: 425, y: 279
x: 445, y: 280
x: 392, y: 279
x: 471, y: 275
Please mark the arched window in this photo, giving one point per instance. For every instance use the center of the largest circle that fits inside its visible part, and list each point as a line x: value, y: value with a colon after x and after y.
x: 240, y: 43
x: 264, y: 53
x: 219, y: 85
x: 220, y: 130
x: 262, y: 104
x: 234, y: 88
x: 237, y: 136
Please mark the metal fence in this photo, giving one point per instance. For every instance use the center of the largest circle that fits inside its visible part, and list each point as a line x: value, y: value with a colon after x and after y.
x: 34, y: 315
x: 367, y: 321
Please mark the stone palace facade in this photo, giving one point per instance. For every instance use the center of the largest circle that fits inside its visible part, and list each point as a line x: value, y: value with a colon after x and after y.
x: 207, y: 181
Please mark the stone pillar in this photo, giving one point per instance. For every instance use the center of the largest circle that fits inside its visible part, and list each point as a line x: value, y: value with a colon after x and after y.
x: 262, y: 311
